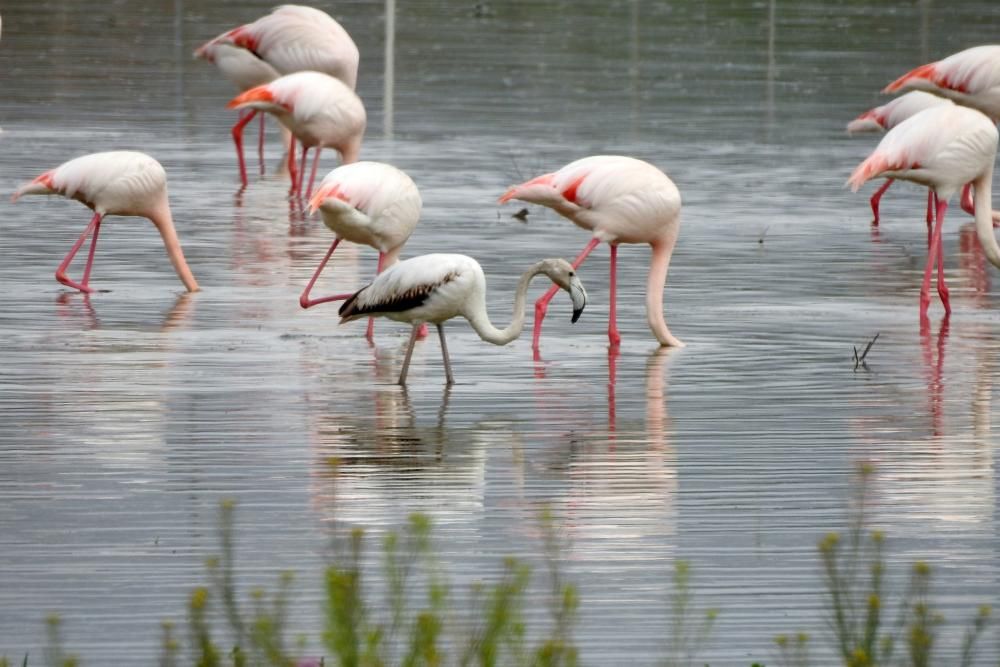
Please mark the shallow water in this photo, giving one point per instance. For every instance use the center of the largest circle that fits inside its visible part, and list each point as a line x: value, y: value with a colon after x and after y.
x: 129, y: 415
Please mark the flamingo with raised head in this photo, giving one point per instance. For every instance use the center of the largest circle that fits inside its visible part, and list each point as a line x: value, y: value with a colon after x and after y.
x: 884, y: 118
x: 112, y: 183
x: 435, y: 288
x: 319, y: 110
x: 970, y: 78
x: 371, y: 203
x: 943, y: 147
x: 620, y: 200
x: 292, y: 38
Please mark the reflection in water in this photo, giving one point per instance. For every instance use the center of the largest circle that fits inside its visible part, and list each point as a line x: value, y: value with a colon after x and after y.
x: 933, y: 354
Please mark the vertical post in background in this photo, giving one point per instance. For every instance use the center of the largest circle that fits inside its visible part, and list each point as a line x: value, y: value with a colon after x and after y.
x: 772, y: 67
x: 389, y: 78
x: 633, y: 68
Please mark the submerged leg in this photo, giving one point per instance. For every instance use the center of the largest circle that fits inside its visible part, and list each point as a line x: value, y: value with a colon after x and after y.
x: 238, y: 140
x: 304, y: 299
x: 260, y: 145
x: 542, y: 305
x: 302, y: 170
x: 312, y: 177
x: 613, y: 337
x: 877, y: 197
x: 61, y: 269
x: 409, y: 353
x: 444, y: 353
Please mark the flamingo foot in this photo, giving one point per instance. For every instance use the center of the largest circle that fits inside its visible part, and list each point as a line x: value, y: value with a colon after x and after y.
x: 68, y: 282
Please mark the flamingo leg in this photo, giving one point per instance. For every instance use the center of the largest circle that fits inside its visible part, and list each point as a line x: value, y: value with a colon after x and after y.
x: 260, y: 145
x: 90, y: 254
x: 877, y: 197
x: 966, y: 200
x: 930, y: 206
x: 302, y: 170
x: 370, y: 331
x: 613, y: 337
x: 542, y: 305
x: 409, y: 354
x: 932, y: 252
x: 304, y: 299
x: 312, y: 177
x: 61, y: 270
x: 238, y: 140
x: 444, y: 354
x: 941, y: 287
x: 291, y: 162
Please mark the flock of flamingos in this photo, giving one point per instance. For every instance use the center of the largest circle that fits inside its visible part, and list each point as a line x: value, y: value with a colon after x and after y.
x: 299, y: 65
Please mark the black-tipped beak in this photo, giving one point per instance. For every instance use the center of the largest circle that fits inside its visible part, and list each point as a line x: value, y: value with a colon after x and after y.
x: 579, y: 297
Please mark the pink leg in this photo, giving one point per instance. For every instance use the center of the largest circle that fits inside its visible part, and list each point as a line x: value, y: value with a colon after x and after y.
x: 260, y: 144
x: 966, y: 200
x: 90, y: 255
x: 302, y: 170
x: 613, y: 337
x: 312, y: 178
x: 932, y: 251
x: 291, y: 162
x: 877, y: 197
x: 941, y: 287
x: 61, y: 269
x: 238, y: 140
x: 304, y: 299
x: 542, y: 305
x: 930, y: 206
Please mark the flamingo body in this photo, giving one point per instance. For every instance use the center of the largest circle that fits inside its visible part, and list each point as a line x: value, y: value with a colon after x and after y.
x: 619, y: 200
x: 245, y: 69
x: 124, y: 183
x: 970, y: 78
x: 884, y: 118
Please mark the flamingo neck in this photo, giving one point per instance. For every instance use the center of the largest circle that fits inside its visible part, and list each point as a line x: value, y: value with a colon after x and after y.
x: 657, y: 280
x: 350, y: 152
x: 984, y: 216
x: 480, y: 319
x: 164, y: 222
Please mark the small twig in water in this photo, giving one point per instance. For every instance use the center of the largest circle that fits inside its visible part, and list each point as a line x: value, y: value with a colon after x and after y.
x: 521, y: 215
x: 763, y: 233
x: 860, y: 360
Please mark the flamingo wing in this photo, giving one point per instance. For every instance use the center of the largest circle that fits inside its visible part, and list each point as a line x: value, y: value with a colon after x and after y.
x: 971, y: 77
x: 413, y: 283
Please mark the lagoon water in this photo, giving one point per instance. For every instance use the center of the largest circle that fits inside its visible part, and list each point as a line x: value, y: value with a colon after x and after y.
x: 129, y: 415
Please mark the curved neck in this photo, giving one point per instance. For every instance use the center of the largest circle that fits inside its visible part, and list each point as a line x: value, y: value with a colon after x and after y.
x: 165, y: 224
x: 655, y: 283
x: 984, y: 216
x: 480, y: 319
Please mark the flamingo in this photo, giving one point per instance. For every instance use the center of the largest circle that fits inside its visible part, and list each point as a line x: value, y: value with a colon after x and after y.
x: 620, y: 200
x: 292, y: 38
x: 435, y: 288
x: 943, y: 147
x: 318, y: 109
x: 888, y: 116
x: 372, y: 203
x: 970, y: 78
x: 113, y: 183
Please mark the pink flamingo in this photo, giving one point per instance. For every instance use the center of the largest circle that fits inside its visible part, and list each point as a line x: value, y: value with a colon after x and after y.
x: 113, y: 183
x: 292, y: 38
x: 318, y: 109
x: 943, y: 147
x: 436, y: 288
x: 371, y: 203
x: 620, y: 200
x: 970, y: 78
x: 888, y: 116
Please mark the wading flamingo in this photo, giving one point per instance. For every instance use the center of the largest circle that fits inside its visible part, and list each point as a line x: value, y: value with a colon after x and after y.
x: 318, y: 109
x: 435, y: 288
x: 292, y: 38
x: 620, y: 200
x: 888, y: 116
x: 113, y: 183
x: 943, y: 147
x: 370, y: 203
x: 970, y: 78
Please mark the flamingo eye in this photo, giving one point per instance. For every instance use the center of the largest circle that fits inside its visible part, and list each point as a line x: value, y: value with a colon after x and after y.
x: 571, y: 274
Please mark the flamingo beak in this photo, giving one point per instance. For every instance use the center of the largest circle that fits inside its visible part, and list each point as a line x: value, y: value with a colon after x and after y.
x: 579, y: 297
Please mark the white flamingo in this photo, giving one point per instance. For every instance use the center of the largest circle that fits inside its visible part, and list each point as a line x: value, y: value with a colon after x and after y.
x: 970, y: 78
x: 113, y: 183
x: 435, y: 288
x: 292, y: 38
x: 620, y: 200
x: 318, y: 109
x: 943, y: 147
x: 371, y: 203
